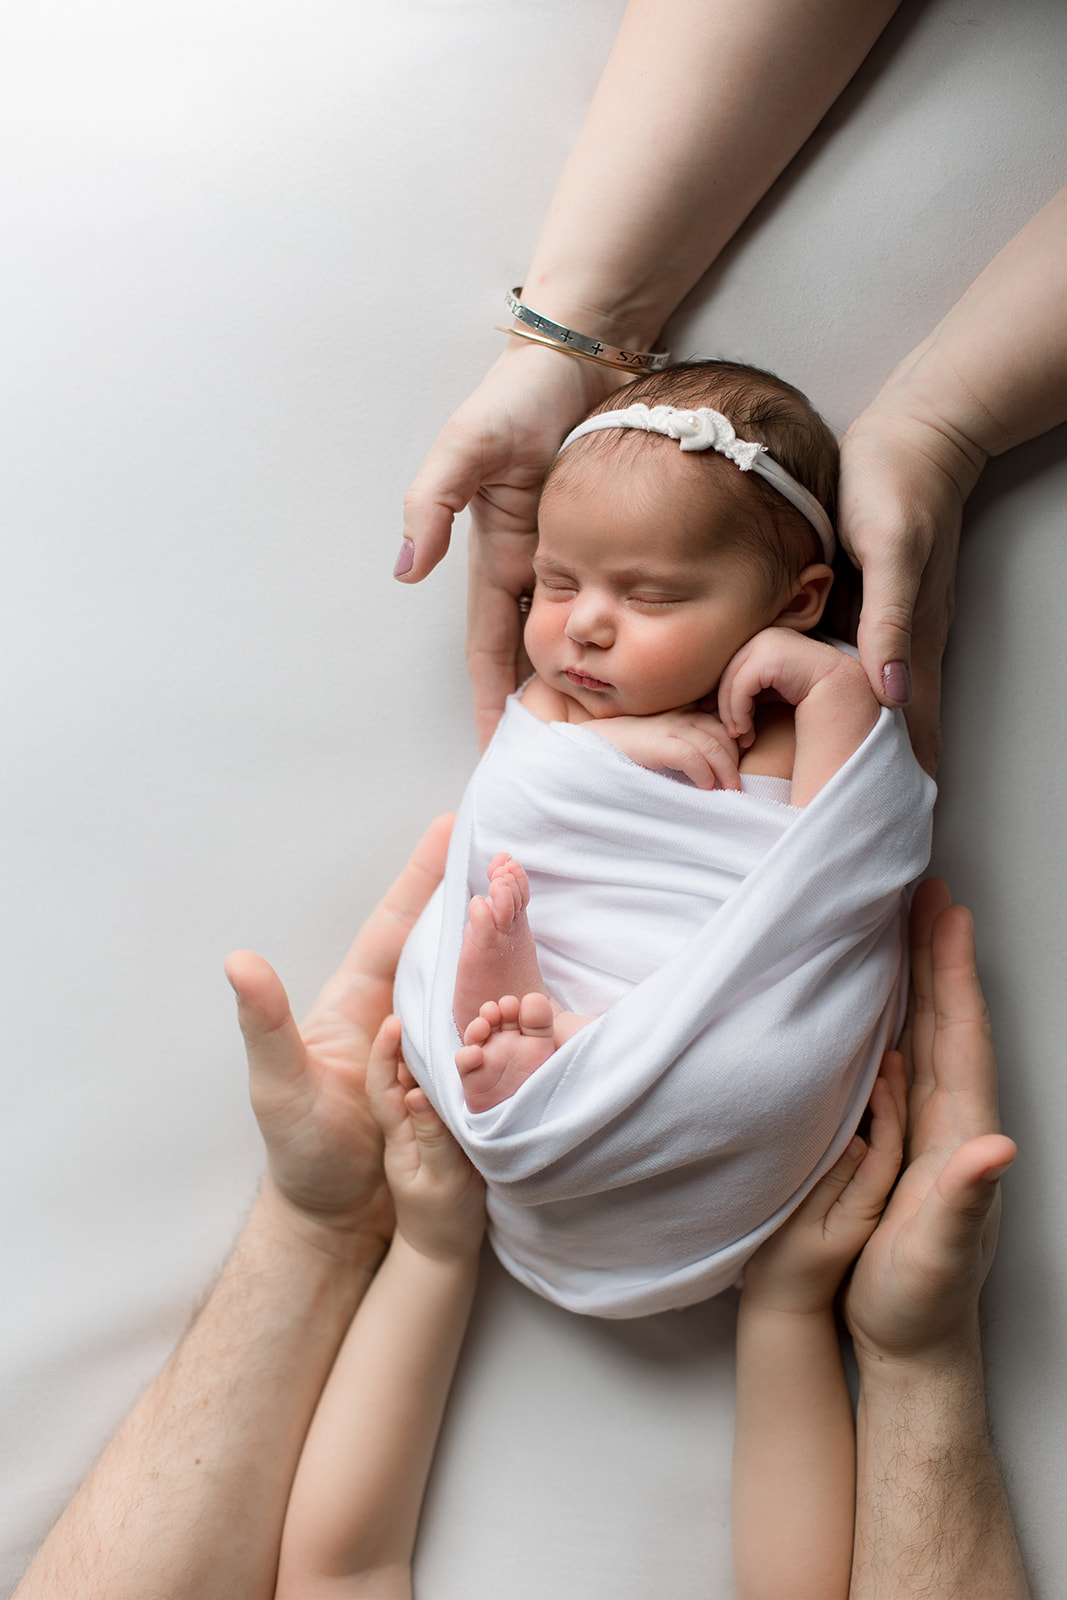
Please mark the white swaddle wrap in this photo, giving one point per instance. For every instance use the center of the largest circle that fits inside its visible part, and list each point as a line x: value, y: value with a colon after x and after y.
x: 751, y: 957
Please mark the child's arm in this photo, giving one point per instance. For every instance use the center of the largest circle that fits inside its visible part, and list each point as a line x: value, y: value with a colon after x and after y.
x: 794, y: 1481
x: 350, y: 1528
x: 835, y: 707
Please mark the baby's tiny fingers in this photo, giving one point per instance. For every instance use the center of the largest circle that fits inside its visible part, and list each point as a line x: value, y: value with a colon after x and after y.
x: 723, y: 763
x: 692, y: 761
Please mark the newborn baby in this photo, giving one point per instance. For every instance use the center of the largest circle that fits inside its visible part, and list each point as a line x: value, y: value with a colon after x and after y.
x: 719, y: 889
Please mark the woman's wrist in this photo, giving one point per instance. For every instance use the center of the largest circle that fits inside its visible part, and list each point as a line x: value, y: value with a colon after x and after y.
x: 926, y: 407
x: 586, y: 305
x: 588, y: 382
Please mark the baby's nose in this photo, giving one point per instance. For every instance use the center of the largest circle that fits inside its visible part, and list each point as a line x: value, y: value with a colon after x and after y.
x: 590, y: 621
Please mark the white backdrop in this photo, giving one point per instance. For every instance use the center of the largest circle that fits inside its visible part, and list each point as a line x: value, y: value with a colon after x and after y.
x: 253, y: 256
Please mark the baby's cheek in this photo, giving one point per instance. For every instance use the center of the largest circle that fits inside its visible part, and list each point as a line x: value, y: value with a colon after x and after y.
x: 538, y: 636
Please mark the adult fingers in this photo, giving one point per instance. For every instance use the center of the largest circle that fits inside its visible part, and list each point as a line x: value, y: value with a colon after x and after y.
x: 494, y: 645
x: 964, y: 1063
x: 376, y: 949
x: 930, y: 899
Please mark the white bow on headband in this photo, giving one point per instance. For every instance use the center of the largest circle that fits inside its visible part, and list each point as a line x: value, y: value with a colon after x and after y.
x: 706, y: 429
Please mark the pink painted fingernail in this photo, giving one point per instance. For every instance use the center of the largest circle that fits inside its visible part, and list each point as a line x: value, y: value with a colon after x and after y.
x: 896, y: 682
x: 405, y: 560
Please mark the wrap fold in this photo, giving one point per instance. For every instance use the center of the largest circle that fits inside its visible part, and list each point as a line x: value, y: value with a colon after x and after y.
x: 749, y: 962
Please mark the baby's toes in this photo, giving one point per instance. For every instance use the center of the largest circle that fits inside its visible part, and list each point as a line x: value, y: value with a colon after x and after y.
x: 504, y: 903
x: 478, y: 1030
x: 521, y: 882
x: 509, y: 1008
x: 535, y: 1014
x: 469, y: 1058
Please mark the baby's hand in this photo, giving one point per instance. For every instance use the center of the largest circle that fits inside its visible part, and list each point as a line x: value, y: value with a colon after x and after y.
x: 800, y: 1268
x: 439, y: 1198
x: 780, y: 659
x: 689, y: 741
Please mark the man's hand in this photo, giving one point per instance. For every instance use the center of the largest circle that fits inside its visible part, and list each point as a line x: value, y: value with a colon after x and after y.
x: 915, y: 1288
x: 307, y: 1084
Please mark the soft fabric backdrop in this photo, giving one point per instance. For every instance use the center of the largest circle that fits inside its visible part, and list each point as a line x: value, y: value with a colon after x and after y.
x: 253, y: 255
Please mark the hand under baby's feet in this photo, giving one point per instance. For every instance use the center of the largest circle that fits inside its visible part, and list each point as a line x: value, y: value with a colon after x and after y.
x: 502, y: 1047
x: 498, y: 955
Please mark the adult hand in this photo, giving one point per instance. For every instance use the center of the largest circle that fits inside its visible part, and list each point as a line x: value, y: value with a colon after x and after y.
x: 307, y: 1084
x: 492, y: 456
x: 914, y: 1290
x: 904, y: 479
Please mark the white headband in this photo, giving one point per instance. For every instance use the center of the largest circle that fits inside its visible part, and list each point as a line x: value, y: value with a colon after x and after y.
x: 710, y: 430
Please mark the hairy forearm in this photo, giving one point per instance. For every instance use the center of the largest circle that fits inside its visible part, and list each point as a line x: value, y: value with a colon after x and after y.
x: 187, y: 1501
x: 931, y: 1514
x: 793, y: 1475
x: 698, y: 111
x: 994, y: 371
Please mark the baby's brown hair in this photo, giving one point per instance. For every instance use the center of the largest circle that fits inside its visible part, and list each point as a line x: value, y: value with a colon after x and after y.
x: 764, y: 410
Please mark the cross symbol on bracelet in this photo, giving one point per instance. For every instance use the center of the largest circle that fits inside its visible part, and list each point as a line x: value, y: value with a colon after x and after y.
x: 596, y: 347
x: 565, y: 336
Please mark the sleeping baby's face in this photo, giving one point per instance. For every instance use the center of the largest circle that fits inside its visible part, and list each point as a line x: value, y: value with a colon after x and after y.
x: 639, y: 605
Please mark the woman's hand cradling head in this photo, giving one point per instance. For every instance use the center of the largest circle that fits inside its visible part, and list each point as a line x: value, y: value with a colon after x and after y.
x: 492, y: 455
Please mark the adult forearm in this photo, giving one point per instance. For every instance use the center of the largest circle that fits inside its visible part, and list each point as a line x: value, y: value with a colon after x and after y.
x: 931, y: 1514
x: 698, y: 111
x: 994, y: 371
x: 188, y: 1500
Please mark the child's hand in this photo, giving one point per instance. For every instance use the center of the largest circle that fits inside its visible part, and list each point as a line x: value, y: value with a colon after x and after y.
x: 439, y: 1198
x: 800, y: 1268
x: 689, y: 741
x: 789, y: 663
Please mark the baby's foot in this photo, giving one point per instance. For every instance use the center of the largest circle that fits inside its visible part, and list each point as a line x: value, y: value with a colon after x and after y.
x: 498, y: 954
x: 502, y: 1047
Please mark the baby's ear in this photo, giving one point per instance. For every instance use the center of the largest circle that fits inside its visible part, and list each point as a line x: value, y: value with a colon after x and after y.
x: 810, y: 594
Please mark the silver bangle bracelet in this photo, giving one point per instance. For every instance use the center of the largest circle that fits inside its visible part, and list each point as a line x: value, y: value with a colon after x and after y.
x: 554, y: 333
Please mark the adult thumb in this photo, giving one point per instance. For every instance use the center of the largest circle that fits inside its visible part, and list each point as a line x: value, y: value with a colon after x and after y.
x: 884, y: 634
x: 445, y: 483
x: 964, y: 1223
x: 272, y: 1039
